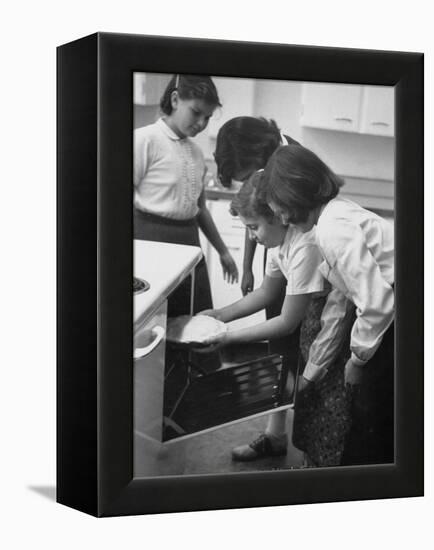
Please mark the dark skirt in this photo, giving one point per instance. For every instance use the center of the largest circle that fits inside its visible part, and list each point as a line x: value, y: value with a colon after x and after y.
x: 156, y: 228
x: 371, y: 438
x: 322, y: 412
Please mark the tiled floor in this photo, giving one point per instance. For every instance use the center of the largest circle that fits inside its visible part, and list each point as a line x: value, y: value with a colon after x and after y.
x: 210, y: 452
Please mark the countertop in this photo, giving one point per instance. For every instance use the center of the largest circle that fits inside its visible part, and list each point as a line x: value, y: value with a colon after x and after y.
x: 164, y: 266
x: 218, y: 192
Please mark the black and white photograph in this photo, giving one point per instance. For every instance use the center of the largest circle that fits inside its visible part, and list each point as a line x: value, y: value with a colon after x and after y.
x: 144, y: 402
x: 263, y: 289
x: 238, y: 229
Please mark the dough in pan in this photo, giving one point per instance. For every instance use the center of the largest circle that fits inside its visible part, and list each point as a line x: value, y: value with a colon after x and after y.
x: 186, y: 329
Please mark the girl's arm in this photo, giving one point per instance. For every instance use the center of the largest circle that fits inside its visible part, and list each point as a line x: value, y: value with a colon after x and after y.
x: 293, y: 311
x: 251, y: 303
x: 369, y: 292
x: 336, y: 317
x: 372, y: 295
x: 248, y: 280
x: 207, y: 225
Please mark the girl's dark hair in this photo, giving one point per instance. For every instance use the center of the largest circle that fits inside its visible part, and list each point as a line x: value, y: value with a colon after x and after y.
x: 189, y: 87
x: 298, y: 181
x: 248, y: 203
x: 244, y: 143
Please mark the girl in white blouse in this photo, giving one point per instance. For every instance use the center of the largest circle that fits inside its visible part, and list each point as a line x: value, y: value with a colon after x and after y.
x: 292, y: 266
x: 357, y: 248
x: 169, y: 170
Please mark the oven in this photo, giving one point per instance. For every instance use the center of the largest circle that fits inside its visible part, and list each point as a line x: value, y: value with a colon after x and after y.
x: 148, y: 379
x: 196, y: 401
x: 176, y: 395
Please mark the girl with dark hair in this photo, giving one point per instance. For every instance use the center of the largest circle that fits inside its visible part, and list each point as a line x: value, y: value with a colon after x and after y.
x: 357, y: 249
x: 169, y: 170
x: 244, y: 145
x: 292, y: 266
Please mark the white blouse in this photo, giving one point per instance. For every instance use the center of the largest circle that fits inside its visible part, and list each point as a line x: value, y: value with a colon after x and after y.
x: 357, y: 247
x: 297, y: 259
x: 168, y: 172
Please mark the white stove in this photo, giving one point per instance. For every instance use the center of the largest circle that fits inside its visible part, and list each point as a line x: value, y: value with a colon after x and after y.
x: 161, y: 267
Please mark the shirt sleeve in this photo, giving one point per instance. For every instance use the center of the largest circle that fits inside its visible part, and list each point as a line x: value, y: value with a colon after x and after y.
x: 272, y: 268
x: 141, y: 156
x: 304, y: 276
x: 353, y: 264
x: 372, y: 295
x: 335, y: 323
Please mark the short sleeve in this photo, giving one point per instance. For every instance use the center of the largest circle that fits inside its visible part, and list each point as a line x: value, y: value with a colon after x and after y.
x: 304, y: 276
x: 272, y: 268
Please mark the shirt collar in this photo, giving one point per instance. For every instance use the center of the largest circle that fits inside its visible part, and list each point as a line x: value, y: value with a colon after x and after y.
x: 165, y: 128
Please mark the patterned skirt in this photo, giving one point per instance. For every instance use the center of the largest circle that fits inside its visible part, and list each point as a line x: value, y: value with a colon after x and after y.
x: 322, y: 413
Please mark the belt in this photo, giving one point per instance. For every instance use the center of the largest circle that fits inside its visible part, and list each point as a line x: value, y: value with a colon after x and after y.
x: 162, y: 219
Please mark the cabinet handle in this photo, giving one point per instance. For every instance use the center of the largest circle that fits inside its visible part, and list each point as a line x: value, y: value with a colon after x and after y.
x: 158, y: 333
x: 379, y: 123
x: 343, y: 119
x: 234, y: 248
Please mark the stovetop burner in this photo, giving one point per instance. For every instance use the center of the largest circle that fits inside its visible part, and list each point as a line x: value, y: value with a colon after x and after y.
x: 140, y: 285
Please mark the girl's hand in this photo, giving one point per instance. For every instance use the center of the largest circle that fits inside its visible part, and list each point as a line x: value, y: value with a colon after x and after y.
x: 230, y: 271
x: 247, y: 282
x: 211, y: 344
x: 303, y: 383
x: 218, y: 339
x: 353, y: 373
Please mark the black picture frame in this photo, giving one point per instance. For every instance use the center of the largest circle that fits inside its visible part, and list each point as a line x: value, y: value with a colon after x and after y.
x: 94, y: 172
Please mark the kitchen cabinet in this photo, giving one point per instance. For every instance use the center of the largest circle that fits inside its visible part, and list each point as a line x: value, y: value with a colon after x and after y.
x: 348, y: 108
x: 377, y: 111
x: 148, y: 88
x: 331, y: 106
x: 233, y: 234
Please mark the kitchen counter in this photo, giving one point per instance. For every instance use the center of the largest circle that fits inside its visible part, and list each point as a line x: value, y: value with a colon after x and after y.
x: 218, y: 192
x: 164, y: 266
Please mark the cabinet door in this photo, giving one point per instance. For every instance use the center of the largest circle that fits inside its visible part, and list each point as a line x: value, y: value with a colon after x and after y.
x: 233, y: 234
x: 148, y: 88
x: 378, y: 111
x: 331, y: 106
x: 225, y: 222
x: 224, y: 293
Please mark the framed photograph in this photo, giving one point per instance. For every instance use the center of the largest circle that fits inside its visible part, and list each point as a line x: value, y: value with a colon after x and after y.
x: 269, y: 350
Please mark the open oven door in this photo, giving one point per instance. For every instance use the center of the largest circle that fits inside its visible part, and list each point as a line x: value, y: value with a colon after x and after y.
x: 207, y: 401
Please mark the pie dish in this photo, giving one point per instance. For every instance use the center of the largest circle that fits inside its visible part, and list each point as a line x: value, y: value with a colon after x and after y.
x: 193, y: 330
